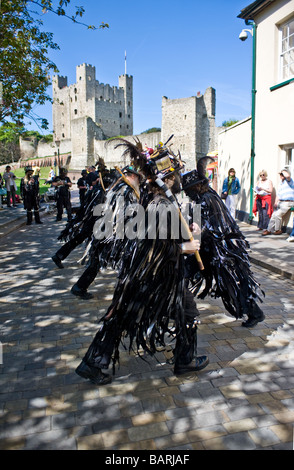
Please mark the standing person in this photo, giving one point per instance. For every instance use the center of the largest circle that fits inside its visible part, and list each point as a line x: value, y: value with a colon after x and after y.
x: 102, y: 252
x: 283, y: 203
x: 231, y: 187
x: 92, y: 176
x: 51, y: 174
x: 82, y: 185
x: 10, y: 185
x: 29, y: 190
x: 224, y: 252
x: 63, y: 185
x: 151, y: 288
x: 2, y: 191
x: 263, y: 200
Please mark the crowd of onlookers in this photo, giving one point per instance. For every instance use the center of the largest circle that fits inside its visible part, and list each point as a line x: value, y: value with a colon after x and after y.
x: 270, y: 213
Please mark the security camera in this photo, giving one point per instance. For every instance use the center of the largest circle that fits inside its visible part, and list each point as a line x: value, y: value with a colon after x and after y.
x: 243, y: 35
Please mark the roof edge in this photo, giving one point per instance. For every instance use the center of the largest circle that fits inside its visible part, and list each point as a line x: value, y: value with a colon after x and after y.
x: 249, y: 12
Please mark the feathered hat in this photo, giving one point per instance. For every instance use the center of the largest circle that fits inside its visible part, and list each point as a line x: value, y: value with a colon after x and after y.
x: 28, y: 168
x: 196, y: 176
x: 154, y: 164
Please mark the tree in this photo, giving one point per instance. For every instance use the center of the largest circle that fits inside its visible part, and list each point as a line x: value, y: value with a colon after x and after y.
x: 24, y: 61
x: 9, y: 142
x: 229, y: 123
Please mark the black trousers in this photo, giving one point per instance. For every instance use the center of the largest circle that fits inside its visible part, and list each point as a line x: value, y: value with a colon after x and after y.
x: 186, y: 342
x: 69, y: 246
x: 63, y: 202
x: 31, y: 204
x: 101, y: 349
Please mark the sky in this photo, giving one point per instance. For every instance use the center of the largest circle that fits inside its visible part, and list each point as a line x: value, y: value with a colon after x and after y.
x: 174, y: 48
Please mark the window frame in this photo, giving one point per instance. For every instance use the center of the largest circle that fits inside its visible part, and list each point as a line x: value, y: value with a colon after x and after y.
x: 283, y: 53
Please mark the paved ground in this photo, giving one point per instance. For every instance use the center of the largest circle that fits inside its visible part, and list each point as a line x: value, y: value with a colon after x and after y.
x: 244, y: 400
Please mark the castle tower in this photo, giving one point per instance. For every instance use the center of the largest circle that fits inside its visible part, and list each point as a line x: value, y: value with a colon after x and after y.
x: 192, y: 122
x: 126, y: 83
x: 88, y: 110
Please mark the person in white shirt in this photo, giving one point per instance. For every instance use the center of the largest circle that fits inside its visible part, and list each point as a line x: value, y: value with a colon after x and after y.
x: 10, y: 185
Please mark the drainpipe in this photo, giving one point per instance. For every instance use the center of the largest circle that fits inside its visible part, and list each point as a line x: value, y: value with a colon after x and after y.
x: 253, y: 102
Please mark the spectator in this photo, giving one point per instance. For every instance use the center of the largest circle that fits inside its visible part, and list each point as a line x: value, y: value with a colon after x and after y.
x: 284, y: 202
x: 51, y: 174
x: 263, y: 200
x: 82, y: 185
x: 63, y: 185
x: 291, y: 237
x: 10, y: 185
x: 29, y: 190
x: 231, y: 188
x: 92, y: 176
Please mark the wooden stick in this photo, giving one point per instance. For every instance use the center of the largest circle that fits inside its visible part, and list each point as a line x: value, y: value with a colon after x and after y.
x: 127, y: 182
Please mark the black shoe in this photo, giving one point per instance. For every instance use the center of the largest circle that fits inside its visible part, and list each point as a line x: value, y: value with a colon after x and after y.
x: 57, y: 261
x: 200, y: 363
x: 29, y: 223
x: 251, y: 322
x: 94, y: 374
x: 75, y: 290
x: 39, y: 222
x: 58, y: 219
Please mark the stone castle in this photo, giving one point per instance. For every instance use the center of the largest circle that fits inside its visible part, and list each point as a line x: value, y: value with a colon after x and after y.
x: 87, y: 113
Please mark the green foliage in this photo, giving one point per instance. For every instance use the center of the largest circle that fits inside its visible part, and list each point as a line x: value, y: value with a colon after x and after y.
x: 9, y: 142
x: 151, y: 130
x: 24, y: 63
x: 229, y: 123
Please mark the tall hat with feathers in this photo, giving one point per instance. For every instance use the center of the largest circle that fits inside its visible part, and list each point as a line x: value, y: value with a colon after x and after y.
x: 154, y: 164
x: 198, y: 175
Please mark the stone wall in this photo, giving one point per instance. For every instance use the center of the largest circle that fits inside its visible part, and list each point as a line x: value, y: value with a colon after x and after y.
x: 192, y: 121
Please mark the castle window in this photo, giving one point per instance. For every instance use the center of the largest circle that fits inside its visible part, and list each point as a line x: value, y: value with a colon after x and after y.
x: 129, y: 103
x: 62, y: 135
x: 185, y: 117
x: 101, y: 97
x: 76, y: 98
x: 129, y: 115
x: 76, y: 111
x: 75, y: 90
x: 120, y: 115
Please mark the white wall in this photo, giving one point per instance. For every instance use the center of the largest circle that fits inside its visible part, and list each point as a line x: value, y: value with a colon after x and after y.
x: 234, y: 151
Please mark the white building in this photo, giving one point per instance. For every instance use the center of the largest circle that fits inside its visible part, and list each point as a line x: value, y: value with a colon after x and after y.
x: 273, y: 120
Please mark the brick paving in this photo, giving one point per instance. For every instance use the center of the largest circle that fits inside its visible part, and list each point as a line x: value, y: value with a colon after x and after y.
x: 244, y: 399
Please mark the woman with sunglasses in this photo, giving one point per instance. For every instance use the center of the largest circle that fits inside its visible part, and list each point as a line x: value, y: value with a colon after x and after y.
x: 263, y: 200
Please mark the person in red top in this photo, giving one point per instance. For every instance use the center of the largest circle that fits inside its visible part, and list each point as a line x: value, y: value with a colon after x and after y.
x: 263, y: 200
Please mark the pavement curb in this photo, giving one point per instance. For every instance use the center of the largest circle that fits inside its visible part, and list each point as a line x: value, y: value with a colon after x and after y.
x: 267, y: 263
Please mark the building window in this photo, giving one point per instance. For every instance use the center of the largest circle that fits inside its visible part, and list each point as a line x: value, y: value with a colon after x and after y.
x: 120, y: 115
x: 76, y: 111
x: 289, y: 157
x: 287, y: 50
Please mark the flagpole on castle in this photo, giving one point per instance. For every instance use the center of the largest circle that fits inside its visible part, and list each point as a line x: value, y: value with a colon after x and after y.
x: 125, y: 62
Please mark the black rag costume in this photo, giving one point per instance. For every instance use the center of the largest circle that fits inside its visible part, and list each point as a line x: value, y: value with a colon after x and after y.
x: 29, y: 190
x: 227, y: 272
x: 80, y: 227
x: 150, y: 291
x: 105, y: 251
